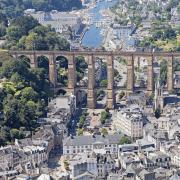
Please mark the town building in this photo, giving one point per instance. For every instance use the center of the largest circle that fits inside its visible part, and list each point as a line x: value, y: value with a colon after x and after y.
x: 128, y: 158
x: 122, y: 37
x: 137, y: 99
x: 62, y: 109
x: 60, y: 21
x: 81, y: 144
x: 91, y: 165
x: 141, y: 145
x: 27, y: 155
x: 83, y: 165
x: 177, y: 79
x: 130, y: 121
x: 156, y: 159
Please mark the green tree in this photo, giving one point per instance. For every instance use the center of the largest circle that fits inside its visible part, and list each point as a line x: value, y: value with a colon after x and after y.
x: 29, y: 94
x: 169, y: 33
x: 26, y: 33
x: 104, y: 82
x: 10, y: 112
x: 23, y: 98
x: 28, y: 115
x: 14, y: 33
x: 2, y: 30
x: 16, y: 78
x: 104, y: 116
x: 26, y: 23
x: 80, y: 132
x: 125, y: 140
x: 81, y: 121
x: 15, y: 134
x: 4, y: 135
x: 104, y: 132
x: 66, y: 165
x: 11, y: 66
x: 31, y: 41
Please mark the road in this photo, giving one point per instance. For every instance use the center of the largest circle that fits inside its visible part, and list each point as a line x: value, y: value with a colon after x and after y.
x: 122, y: 69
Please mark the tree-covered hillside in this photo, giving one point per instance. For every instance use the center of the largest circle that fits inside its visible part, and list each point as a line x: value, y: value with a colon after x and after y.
x: 24, y: 91
x: 25, y: 33
x: 10, y: 9
x: 23, y: 97
x: 15, y: 7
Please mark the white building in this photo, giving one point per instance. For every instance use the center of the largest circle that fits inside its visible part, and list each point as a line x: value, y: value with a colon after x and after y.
x: 14, y: 159
x: 27, y: 155
x: 83, y: 166
x: 60, y: 21
x: 164, y: 123
x: 91, y: 165
x: 127, y: 158
x: 174, y: 152
x: 81, y: 144
x: 105, y: 164
x: 130, y: 122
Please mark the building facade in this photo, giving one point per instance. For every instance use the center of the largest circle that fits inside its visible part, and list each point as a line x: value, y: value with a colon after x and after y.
x: 60, y: 21
x: 81, y: 144
x: 130, y: 122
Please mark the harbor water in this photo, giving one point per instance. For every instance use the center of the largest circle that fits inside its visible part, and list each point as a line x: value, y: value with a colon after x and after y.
x: 93, y: 38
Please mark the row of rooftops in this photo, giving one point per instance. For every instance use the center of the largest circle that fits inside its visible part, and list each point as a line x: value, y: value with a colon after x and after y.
x: 55, y: 17
x: 20, y: 151
x: 132, y: 113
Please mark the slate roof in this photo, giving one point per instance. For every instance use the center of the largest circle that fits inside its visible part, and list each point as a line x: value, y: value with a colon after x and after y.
x: 25, y: 142
x: 89, y: 140
x: 5, y: 151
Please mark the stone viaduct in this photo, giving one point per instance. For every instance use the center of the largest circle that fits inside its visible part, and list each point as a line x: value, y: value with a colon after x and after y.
x: 109, y: 57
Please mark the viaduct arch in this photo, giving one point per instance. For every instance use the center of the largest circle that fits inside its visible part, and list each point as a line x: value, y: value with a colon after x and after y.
x: 90, y: 57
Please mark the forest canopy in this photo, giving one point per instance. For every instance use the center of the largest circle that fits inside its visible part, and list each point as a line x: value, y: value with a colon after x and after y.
x: 15, y: 7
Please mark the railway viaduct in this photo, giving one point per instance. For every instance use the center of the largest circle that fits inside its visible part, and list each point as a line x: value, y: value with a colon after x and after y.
x: 109, y: 57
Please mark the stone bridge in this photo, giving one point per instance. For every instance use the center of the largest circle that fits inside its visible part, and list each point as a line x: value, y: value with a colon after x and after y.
x: 90, y: 56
